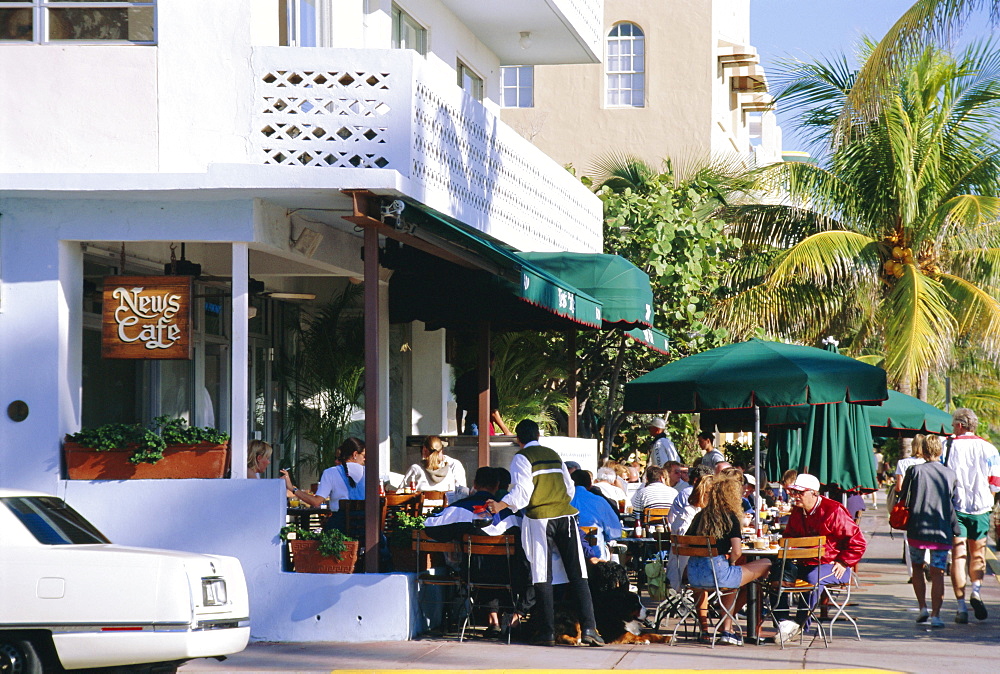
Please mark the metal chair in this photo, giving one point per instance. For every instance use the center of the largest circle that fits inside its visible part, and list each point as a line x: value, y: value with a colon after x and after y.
x: 423, y: 545
x: 838, y: 596
x: 478, y: 550
x: 706, y: 547
x: 802, y: 592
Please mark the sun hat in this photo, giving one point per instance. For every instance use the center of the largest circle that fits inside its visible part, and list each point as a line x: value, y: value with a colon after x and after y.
x: 749, y: 479
x: 657, y: 422
x: 805, y: 482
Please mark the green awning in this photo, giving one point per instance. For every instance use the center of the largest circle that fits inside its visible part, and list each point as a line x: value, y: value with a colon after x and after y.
x: 650, y: 337
x: 437, y: 291
x: 621, y: 287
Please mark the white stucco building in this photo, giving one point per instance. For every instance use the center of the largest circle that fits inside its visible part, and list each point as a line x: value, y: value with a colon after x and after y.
x: 227, y: 133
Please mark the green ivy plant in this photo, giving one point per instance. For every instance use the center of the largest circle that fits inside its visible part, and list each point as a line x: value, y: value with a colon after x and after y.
x: 332, y: 542
x: 147, y: 443
x: 404, y: 524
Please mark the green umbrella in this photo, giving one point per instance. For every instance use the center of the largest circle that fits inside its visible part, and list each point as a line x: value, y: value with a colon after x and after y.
x: 756, y: 374
x: 899, y: 416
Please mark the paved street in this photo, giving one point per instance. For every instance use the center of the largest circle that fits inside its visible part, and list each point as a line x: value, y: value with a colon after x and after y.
x: 885, y: 612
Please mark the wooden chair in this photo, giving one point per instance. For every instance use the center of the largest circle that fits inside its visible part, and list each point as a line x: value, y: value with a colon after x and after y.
x: 704, y: 546
x: 655, y: 516
x: 474, y: 546
x: 408, y: 504
x: 432, y: 500
x: 448, y: 584
x: 800, y: 592
x: 351, y: 517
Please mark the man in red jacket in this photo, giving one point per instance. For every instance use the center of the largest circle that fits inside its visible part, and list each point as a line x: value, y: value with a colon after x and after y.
x: 816, y: 515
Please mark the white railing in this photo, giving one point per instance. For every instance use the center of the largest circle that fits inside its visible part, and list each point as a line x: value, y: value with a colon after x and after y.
x: 380, y: 109
x: 588, y: 18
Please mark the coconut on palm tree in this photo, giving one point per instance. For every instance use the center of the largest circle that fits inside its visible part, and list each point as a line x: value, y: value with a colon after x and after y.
x: 892, y: 237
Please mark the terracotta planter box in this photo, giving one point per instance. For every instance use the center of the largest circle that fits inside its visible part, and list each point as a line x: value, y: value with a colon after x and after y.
x: 306, y: 558
x: 179, y: 461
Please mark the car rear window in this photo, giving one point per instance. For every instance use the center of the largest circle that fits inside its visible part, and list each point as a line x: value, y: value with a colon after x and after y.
x: 52, y: 522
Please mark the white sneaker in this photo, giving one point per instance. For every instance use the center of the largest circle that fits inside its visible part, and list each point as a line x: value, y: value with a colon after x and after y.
x: 788, y: 630
x: 923, y: 616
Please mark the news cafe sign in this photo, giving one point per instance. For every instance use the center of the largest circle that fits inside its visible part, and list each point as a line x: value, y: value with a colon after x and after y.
x: 147, y: 317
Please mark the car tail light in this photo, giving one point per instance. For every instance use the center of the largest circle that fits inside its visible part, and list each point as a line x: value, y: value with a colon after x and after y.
x: 213, y: 591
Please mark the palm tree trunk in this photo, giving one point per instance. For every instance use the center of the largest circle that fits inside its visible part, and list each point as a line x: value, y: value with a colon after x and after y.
x: 922, y: 386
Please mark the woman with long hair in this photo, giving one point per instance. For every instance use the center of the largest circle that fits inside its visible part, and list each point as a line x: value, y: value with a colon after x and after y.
x: 436, y: 471
x: 345, y: 480
x: 720, y: 519
x: 258, y: 458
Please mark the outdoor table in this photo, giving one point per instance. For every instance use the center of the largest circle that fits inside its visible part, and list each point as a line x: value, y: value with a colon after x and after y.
x: 639, y: 551
x: 753, y: 598
x: 307, y: 518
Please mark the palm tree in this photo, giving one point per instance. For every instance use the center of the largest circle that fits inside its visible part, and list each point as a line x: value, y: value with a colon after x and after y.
x: 934, y: 21
x: 893, y: 238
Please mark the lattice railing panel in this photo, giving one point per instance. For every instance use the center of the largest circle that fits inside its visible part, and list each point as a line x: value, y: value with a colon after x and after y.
x: 459, y: 158
x: 326, y: 118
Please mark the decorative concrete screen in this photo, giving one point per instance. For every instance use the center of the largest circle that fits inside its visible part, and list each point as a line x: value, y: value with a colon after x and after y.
x: 380, y: 110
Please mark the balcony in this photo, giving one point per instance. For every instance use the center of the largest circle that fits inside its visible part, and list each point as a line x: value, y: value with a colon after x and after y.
x: 379, y: 110
x: 562, y: 31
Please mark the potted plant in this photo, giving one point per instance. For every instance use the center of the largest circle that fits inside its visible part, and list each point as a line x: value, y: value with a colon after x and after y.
x: 168, y: 448
x: 330, y: 551
x: 404, y: 557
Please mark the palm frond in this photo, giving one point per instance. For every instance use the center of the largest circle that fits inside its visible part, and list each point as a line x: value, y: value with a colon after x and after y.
x: 827, y: 258
x: 976, y: 312
x: 919, y: 325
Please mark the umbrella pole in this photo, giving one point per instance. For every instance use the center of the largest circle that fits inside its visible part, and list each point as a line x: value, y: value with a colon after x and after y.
x: 756, y: 468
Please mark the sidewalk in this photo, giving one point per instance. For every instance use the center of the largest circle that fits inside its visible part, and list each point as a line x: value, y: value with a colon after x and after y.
x: 885, y: 611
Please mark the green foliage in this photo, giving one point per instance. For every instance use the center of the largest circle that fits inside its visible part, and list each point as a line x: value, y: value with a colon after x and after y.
x: 331, y: 542
x: 403, y: 525
x: 891, y: 241
x: 147, y: 443
x: 739, y: 453
x: 326, y: 376
x: 529, y: 385
x: 665, y: 224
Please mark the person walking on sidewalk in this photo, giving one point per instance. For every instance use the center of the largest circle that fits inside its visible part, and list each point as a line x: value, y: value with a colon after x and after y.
x: 542, y: 489
x: 929, y: 490
x: 977, y: 465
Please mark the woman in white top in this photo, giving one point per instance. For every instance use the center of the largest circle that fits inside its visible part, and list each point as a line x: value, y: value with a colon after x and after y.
x: 345, y: 480
x: 436, y: 472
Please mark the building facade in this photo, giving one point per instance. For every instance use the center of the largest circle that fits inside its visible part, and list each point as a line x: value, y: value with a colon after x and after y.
x: 678, y: 80
x: 238, y: 136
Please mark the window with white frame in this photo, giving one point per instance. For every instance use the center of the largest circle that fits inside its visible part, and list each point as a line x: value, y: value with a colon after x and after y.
x: 470, y: 82
x: 51, y: 21
x: 517, y: 86
x: 625, y: 65
x: 407, y: 33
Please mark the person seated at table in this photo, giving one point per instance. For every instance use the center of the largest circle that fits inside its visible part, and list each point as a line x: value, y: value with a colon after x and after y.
x: 677, y: 475
x: 720, y: 520
x: 470, y: 516
x: 345, y: 480
x: 258, y: 458
x: 595, y: 511
x: 655, y: 493
x: 606, y: 481
x: 816, y: 515
x: 503, y: 482
x: 436, y: 472
x: 787, y: 478
x: 681, y: 515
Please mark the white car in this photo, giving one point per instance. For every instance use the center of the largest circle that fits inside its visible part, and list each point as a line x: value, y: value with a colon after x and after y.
x: 71, y: 599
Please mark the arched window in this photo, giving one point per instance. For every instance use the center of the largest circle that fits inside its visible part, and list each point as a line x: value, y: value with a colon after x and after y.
x: 625, y: 65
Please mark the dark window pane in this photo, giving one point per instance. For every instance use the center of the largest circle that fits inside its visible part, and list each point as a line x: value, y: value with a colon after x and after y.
x: 52, y: 522
x: 16, y: 24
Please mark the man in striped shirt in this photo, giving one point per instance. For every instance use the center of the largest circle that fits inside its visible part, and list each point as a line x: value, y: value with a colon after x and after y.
x: 655, y: 493
x: 541, y: 489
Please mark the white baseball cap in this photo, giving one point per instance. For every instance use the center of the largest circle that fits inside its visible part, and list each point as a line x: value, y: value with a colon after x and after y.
x: 657, y: 422
x: 805, y: 482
